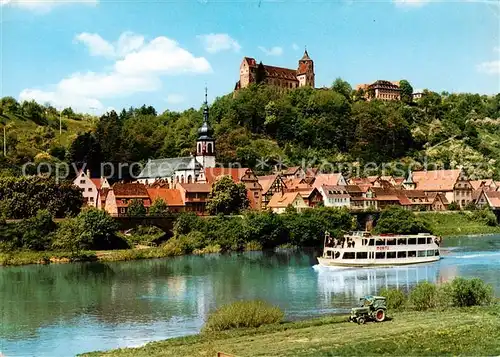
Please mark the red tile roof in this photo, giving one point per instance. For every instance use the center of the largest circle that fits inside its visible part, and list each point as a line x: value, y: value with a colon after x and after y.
x: 267, y: 181
x: 196, y: 187
x: 130, y: 190
x: 171, y: 197
x: 282, y: 200
x: 213, y: 173
x: 326, y: 179
x: 437, y: 180
x: 96, y: 182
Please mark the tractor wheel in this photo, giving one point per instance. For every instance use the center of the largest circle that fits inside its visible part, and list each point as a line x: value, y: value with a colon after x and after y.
x: 380, y: 315
x: 361, y: 321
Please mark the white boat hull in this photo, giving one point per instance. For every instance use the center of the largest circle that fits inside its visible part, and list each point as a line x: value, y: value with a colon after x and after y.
x: 372, y: 262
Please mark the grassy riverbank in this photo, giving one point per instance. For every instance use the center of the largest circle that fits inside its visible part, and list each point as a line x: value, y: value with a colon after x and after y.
x: 466, y: 331
x: 457, y: 223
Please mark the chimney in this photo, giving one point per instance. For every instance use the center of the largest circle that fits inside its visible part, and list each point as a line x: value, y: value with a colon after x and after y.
x: 88, y: 173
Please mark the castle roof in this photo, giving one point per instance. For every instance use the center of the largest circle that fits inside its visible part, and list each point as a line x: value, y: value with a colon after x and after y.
x: 306, y: 57
x: 384, y: 84
x: 281, y: 73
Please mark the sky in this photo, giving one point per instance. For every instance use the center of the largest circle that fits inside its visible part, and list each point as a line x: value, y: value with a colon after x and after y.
x: 97, y: 55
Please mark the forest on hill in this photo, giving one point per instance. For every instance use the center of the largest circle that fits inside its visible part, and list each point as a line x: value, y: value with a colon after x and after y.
x: 262, y: 122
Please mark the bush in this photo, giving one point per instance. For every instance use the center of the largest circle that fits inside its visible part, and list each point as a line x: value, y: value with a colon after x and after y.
x: 424, y: 296
x: 470, y: 292
x: 242, y: 314
x: 396, y: 299
x: 453, y: 206
x: 485, y: 216
x: 253, y: 245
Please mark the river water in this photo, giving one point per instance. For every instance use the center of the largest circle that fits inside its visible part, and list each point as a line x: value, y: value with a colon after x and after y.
x: 62, y: 310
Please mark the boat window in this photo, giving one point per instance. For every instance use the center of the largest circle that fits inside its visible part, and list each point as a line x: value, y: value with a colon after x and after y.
x: 328, y: 253
x: 401, y: 241
x: 421, y: 240
x: 380, y: 242
x: 337, y: 255
x: 380, y: 255
x: 430, y: 253
x: 391, y: 255
x: 412, y: 254
x: 348, y: 255
x: 429, y: 240
x: 401, y: 254
x: 363, y: 241
x: 437, y: 251
x: 412, y: 240
x: 421, y: 253
x: 361, y: 255
x: 391, y: 241
x: 372, y: 242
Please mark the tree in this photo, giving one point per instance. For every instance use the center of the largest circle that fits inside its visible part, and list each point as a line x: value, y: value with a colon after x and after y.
x: 397, y: 220
x: 98, y: 229
x: 85, y: 150
x: 69, y: 238
x: 342, y: 87
x: 136, y: 208
x: 68, y: 112
x: 158, y: 208
x: 406, y: 91
x: 227, y: 197
x: 34, y: 111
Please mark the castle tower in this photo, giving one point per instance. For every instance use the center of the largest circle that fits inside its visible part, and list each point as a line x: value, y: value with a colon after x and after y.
x: 205, y: 145
x: 305, y: 72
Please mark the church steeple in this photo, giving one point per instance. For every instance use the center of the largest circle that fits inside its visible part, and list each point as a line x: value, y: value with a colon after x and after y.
x: 205, y: 145
x: 305, y: 71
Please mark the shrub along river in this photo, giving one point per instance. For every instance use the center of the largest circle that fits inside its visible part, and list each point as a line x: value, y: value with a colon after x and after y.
x: 62, y: 310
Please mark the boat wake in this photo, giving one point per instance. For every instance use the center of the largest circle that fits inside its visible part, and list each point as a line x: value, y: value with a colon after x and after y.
x: 474, y: 256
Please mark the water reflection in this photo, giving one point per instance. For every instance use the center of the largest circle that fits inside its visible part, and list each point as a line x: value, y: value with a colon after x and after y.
x: 62, y: 310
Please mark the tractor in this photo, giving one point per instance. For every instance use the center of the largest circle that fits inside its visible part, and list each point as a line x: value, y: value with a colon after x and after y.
x: 373, y: 308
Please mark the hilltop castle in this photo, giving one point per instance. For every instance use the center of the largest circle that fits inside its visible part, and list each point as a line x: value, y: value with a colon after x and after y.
x: 286, y: 78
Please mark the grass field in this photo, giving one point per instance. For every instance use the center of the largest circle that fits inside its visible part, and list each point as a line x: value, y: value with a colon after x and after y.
x: 472, y: 331
x: 455, y: 224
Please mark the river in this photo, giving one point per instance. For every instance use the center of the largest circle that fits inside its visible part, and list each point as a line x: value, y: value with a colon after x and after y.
x: 62, y: 310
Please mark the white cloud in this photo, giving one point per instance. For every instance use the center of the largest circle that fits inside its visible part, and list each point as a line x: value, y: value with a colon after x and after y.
x: 96, y: 44
x: 43, y: 5
x: 411, y: 3
x: 139, y: 68
x: 295, y: 47
x: 162, y: 56
x: 127, y: 42
x: 216, y: 42
x: 275, y: 51
x: 492, y: 67
x: 175, y: 98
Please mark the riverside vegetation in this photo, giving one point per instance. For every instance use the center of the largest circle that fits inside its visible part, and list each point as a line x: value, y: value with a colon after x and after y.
x: 92, y: 234
x: 463, y: 320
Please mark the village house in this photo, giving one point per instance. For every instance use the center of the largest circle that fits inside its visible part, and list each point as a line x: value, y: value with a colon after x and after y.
x: 121, y: 194
x: 270, y: 185
x: 239, y: 175
x: 452, y: 183
x: 335, y: 196
x: 90, y: 187
x: 329, y: 179
x: 489, y: 199
x: 280, y: 201
x: 381, y: 90
x: 195, y: 196
x: 172, y: 198
x: 488, y: 184
x: 311, y: 195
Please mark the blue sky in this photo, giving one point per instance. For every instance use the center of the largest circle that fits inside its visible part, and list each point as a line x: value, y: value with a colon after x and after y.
x: 96, y: 54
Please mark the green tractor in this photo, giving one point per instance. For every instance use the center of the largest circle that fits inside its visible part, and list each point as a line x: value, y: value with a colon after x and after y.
x: 372, y: 308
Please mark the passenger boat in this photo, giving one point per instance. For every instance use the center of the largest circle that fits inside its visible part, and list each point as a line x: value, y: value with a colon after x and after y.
x: 359, y: 249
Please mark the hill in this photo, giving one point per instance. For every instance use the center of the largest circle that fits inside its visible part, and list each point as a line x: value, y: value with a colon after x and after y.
x: 261, y: 125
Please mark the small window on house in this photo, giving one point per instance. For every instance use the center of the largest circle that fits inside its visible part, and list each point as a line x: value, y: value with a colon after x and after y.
x: 256, y: 194
x: 91, y: 199
x: 90, y: 189
x: 82, y: 182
